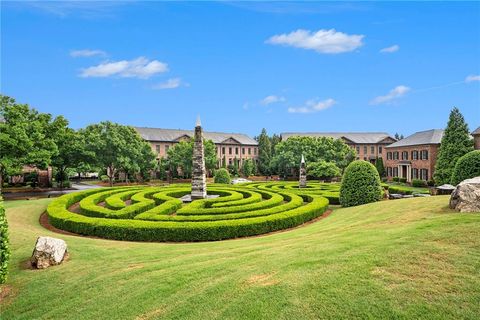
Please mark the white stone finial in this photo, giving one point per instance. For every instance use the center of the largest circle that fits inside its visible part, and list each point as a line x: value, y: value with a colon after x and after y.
x: 303, y: 159
x: 198, y: 123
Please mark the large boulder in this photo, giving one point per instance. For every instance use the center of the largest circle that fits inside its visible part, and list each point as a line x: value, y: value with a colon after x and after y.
x: 466, y: 196
x: 48, y: 252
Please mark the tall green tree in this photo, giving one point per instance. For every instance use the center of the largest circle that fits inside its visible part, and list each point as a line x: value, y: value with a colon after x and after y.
x: 72, y: 153
x: 456, y: 142
x: 117, y: 147
x: 247, y: 168
x: 181, y: 154
x: 289, y: 153
x: 264, y: 152
x: 26, y: 138
x: 380, y: 167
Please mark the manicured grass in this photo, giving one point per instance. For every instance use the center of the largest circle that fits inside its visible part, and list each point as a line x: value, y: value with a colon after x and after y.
x: 402, y: 259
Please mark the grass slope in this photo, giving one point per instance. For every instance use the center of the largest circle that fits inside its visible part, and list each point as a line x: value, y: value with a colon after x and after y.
x: 410, y: 258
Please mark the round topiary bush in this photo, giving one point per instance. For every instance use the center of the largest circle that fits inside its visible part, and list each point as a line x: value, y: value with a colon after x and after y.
x: 467, y: 166
x: 360, y: 184
x: 222, y: 176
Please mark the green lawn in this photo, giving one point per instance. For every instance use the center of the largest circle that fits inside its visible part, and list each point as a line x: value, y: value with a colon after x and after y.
x: 402, y: 259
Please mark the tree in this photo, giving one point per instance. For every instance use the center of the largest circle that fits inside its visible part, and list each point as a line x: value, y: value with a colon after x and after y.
x: 117, y: 147
x: 264, y: 152
x: 181, y: 154
x: 455, y: 143
x: 380, y: 167
x: 72, y: 153
x: 323, y: 170
x: 360, y: 184
x: 398, y: 136
x: 274, y: 140
x: 25, y: 138
x: 289, y: 152
x: 247, y: 168
x: 467, y: 167
x: 222, y: 176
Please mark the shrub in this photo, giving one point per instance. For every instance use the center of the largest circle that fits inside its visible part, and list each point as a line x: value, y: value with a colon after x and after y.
x: 104, y: 178
x: 417, y: 183
x: 323, y: 170
x: 396, y: 179
x: 360, y: 184
x: 467, y: 166
x: 402, y: 180
x: 380, y: 167
x: 222, y: 176
x: 430, y: 183
x: 4, y: 248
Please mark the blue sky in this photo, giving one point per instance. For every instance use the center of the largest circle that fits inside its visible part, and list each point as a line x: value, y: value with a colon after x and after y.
x: 394, y: 67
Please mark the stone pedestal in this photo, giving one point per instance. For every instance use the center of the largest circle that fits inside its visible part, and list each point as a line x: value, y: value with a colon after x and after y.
x: 303, y: 174
x: 199, y: 178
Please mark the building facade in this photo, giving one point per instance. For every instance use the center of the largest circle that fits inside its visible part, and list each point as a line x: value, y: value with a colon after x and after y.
x: 476, y: 138
x: 368, y: 145
x: 414, y: 157
x: 229, y: 146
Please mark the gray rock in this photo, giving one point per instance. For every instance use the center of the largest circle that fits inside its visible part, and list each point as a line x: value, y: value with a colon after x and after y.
x: 395, y: 196
x: 408, y: 196
x: 48, y: 252
x: 421, y: 195
x: 466, y: 196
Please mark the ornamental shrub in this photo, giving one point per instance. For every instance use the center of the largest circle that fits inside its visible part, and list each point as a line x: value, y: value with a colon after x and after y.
x: 395, y: 179
x: 4, y: 248
x: 222, y: 176
x: 467, y: 166
x: 402, y: 180
x: 417, y: 183
x: 360, y: 184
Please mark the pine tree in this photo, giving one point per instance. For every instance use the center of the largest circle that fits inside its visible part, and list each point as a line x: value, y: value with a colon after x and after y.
x: 380, y: 167
x: 264, y: 153
x: 456, y: 142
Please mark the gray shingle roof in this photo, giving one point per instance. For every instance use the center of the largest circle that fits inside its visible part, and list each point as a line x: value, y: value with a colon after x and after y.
x: 356, y: 137
x: 477, y: 131
x: 433, y: 136
x: 170, y: 135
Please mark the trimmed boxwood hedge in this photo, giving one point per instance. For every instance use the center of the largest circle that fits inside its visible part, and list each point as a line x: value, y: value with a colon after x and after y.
x: 360, y: 184
x: 4, y: 247
x: 467, y: 167
x: 156, y: 214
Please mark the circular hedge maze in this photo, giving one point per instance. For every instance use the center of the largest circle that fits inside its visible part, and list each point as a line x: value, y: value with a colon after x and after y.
x: 158, y: 214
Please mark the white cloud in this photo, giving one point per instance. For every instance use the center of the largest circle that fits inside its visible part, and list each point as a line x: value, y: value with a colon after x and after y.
x: 246, y: 105
x: 313, y: 105
x: 395, y: 93
x: 472, y: 78
x: 137, y: 68
x: 87, y: 53
x: 391, y: 49
x: 272, y: 99
x: 170, y: 84
x: 322, y: 41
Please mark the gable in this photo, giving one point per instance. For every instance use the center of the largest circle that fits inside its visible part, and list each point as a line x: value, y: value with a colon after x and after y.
x: 231, y: 141
x: 184, y: 137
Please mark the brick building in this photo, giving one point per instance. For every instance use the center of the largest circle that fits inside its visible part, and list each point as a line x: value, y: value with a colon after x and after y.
x: 414, y: 157
x: 476, y: 138
x: 369, y: 145
x: 230, y: 146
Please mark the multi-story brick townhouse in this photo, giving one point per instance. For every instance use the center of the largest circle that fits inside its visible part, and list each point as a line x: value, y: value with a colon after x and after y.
x: 414, y: 157
x: 369, y: 145
x: 230, y: 146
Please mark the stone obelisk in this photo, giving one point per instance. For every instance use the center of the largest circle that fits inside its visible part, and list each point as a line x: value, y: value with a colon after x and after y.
x: 302, y: 183
x: 199, y: 177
